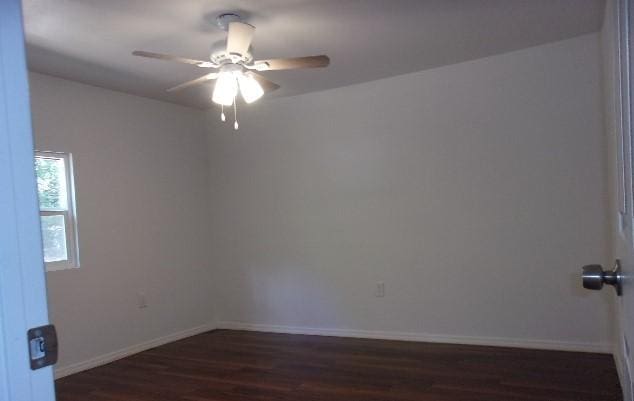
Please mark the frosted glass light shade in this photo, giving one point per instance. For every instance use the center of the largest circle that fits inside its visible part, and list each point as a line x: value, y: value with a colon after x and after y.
x: 250, y: 89
x: 226, y: 89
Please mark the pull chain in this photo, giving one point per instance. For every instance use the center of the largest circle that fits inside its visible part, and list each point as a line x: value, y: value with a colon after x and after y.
x: 235, y: 114
x: 222, y: 113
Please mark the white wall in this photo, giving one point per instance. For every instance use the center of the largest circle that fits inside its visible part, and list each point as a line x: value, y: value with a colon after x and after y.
x: 141, y: 183
x: 474, y: 191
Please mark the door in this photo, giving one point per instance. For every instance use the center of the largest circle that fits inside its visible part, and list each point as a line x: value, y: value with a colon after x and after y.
x: 22, y: 278
x: 618, y: 64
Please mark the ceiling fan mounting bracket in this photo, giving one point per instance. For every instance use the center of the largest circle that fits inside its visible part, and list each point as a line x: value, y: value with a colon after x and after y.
x: 224, y: 19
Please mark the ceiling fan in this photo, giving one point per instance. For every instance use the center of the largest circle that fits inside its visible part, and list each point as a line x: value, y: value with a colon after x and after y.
x: 237, y: 68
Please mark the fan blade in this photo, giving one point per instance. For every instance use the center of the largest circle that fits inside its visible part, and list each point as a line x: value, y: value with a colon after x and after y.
x: 168, y: 57
x: 239, y: 38
x: 292, y: 63
x: 196, y: 81
x: 267, y: 85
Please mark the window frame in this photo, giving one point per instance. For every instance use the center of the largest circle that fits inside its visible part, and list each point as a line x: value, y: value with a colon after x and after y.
x: 69, y: 214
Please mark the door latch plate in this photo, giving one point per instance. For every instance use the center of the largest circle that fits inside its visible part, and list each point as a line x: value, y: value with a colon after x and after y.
x: 42, y: 346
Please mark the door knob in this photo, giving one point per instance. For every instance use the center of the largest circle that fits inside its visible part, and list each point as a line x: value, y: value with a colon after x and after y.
x: 594, y: 277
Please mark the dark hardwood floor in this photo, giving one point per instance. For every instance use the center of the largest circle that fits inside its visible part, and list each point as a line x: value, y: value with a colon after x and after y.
x: 226, y: 365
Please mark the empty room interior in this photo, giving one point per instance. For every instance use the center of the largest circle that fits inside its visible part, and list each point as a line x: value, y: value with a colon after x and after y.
x: 334, y: 200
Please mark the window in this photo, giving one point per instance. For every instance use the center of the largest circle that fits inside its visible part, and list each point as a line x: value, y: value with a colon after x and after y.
x: 57, y: 209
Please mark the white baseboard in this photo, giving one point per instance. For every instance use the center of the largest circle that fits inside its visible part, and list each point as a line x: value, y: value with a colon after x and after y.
x: 423, y: 337
x: 61, y: 371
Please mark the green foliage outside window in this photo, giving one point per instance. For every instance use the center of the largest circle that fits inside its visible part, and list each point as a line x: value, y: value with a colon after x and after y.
x: 51, y: 185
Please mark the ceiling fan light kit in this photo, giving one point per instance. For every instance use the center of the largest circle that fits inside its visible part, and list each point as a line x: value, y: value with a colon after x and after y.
x: 236, y: 65
x: 231, y: 80
x: 225, y: 91
x: 250, y: 89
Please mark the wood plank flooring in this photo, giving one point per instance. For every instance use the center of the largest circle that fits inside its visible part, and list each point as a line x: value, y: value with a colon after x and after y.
x: 225, y: 365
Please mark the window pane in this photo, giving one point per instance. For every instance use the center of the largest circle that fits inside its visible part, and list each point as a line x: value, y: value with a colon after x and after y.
x: 51, y: 183
x: 54, y: 238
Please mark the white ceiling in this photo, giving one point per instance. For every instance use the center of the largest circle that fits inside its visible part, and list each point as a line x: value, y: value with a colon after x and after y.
x: 90, y: 40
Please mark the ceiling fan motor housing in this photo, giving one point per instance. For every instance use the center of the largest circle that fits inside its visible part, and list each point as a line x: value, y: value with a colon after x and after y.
x: 231, y: 68
x: 219, y: 54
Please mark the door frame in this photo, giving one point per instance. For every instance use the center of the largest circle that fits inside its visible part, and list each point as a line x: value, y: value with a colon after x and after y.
x: 23, y: 302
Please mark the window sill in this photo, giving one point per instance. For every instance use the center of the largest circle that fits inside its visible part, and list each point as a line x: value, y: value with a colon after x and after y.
x: 58, y: 266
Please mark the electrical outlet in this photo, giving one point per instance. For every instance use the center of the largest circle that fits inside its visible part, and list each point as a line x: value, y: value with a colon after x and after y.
x: 379, y: 291
x: 142, y: 300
